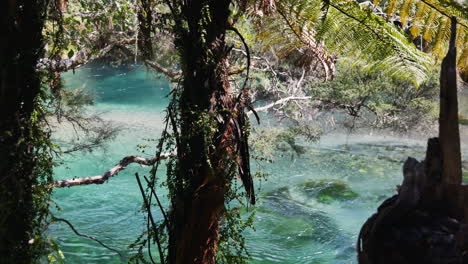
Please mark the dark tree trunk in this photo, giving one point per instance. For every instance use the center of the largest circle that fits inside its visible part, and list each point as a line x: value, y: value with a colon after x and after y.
x: 20, y: 47
x: 203, y: 146
x: 449, y: 134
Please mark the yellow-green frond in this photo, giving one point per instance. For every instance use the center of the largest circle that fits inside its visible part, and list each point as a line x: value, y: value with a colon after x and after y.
x: 429, y: 26
x: 406, y: 11
x: 462, y: 63
x: 441, y: 38
x: 418, y: 19
x: 392, y: 6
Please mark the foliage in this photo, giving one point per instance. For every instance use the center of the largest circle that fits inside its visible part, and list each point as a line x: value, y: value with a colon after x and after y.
x: 382, y: 101
x: 429, y: 22
x: 89, y: 131
x: 301, y: 37
x: 321, y: 31
x: 43, y: 149
x: 89, y: 26
x: 231, y: 248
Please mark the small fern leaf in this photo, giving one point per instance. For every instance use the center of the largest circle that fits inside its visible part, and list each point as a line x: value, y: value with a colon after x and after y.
x: 391, y: 8
x: 418, y: 19
x: 429, y: 25
x: 441, y: 37
x: 405, y: 12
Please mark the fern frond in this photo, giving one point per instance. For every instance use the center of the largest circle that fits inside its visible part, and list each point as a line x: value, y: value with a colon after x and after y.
x: 441, y: 37
x: 463, y: 62
x: 429, y: 26
x: 406, y: 11
x: 376, y: 2
x: 352, y: 30
x: 418, y: 19
x: 392, y: 6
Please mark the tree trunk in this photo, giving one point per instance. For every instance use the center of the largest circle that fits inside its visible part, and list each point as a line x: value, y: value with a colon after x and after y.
x: 449, y: 134
x: 204, y: 141
x: 20, y: 47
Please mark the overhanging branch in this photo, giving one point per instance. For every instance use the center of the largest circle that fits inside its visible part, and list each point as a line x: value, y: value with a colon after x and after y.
x: 99, y: 179
x: 172, y: 75
x: 87, y: 236
x: 280, y: 102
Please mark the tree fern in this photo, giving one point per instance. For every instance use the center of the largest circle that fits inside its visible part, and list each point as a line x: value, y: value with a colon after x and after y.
x: 351, y: 30
x: 429, y: 22
x: 346, y: 28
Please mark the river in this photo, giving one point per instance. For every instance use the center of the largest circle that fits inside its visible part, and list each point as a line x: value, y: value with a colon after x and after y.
x: 310, y: 207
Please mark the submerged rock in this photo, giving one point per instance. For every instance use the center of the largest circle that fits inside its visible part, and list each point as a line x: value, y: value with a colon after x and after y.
x: 295, y: 223
x: 328, y: 191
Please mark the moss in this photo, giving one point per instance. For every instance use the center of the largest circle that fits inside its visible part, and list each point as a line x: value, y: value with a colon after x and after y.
x: 328, y: 191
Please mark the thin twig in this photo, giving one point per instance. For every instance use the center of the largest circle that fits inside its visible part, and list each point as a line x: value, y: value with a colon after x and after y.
x: 247, y: 50
x: 166, y: 221
x: 150, y: 215
x: 88, y: 236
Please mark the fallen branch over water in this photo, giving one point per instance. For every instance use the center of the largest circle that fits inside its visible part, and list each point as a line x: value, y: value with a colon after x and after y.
x: 280, y: 102
x: 99, y: 179
x: 88, y: 236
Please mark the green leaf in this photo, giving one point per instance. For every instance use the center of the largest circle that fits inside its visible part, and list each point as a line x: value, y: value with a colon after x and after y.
x: 71, y: 53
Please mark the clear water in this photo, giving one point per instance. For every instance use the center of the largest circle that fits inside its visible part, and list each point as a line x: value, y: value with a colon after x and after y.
x: 293, y: 224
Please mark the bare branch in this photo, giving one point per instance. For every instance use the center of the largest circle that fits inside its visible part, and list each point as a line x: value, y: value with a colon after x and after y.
x: 122, y: 165
x: 87, y: 236
x: 280, y: 102
x: 159, y: 68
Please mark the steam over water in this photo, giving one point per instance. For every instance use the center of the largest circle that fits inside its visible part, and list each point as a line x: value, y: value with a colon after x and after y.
x: 310, y: 207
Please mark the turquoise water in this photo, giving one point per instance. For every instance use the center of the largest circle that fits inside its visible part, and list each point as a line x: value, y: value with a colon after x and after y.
x: 300, y: 218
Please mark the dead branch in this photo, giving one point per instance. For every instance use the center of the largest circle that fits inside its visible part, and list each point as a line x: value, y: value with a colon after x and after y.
x: 100, y: 179
x: 87, y: 236
x: 280, y: 102
x: 172, y: 75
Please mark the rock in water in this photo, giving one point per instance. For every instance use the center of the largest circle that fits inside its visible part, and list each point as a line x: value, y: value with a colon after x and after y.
x: 328, y: 191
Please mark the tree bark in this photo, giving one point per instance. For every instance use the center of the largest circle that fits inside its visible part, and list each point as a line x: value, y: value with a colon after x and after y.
x: 449, y: 133
x: 20, y: 48
x: 203, y: 157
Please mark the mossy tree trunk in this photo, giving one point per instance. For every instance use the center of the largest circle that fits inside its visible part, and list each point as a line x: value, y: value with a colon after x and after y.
x: 20, y: 47
x: 205, y: 158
